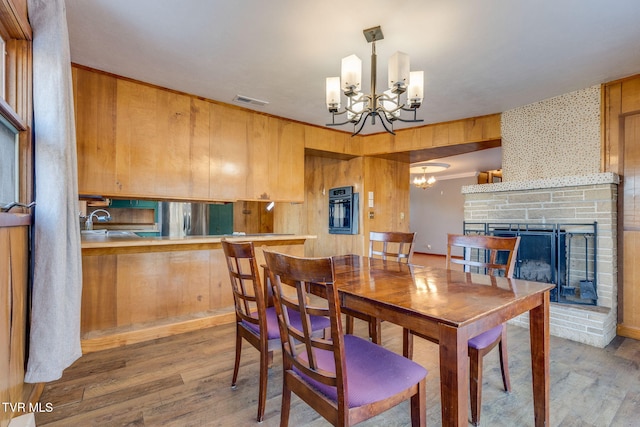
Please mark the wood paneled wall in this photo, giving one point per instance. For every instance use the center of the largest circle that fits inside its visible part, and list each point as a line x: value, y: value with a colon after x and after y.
x: 14, y: 240
x: 312, y: 217
x: 14, y: 259
x: 252, y: 217
x: 621, y: 154
x: 387, y: 179
x: 432, y: 136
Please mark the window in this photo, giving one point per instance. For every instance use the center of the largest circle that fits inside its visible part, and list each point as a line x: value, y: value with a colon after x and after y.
x: 9, y: 152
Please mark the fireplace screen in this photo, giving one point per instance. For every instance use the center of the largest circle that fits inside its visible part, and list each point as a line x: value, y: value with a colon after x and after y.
x: 563, y: 254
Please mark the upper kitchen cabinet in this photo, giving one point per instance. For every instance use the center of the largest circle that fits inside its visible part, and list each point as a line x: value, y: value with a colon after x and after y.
x: 255, y: 156
x: 287, y: 148
x: 136, y: 140
x: 139, y: 141
x: 162, y: 143
x: 95, y: 113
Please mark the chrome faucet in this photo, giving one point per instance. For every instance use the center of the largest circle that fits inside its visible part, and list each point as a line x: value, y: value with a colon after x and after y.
x: 88, y: 225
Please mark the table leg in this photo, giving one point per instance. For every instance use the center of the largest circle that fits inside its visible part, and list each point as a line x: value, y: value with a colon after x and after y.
x: 539, y: 335
x: 454, y: 376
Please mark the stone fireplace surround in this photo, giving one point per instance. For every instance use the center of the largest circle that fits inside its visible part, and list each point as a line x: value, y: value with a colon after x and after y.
x: 570, y: 199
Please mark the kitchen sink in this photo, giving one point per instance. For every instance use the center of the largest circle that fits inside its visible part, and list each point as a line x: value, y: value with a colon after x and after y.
x: 109, y: 233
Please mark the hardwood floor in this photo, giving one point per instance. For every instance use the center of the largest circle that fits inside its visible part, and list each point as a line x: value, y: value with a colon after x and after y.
x: 185, y: 380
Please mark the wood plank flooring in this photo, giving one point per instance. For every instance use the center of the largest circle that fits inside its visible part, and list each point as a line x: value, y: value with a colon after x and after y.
x: 185, y: 380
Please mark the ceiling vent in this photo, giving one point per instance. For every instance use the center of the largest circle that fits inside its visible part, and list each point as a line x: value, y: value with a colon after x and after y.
x: 241, y: 99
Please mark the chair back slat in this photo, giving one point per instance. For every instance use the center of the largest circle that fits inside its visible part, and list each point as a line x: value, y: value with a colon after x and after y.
x: 487, y: 250
x: 305, y: 285
x: 248, y: 295
x: 394, y: 245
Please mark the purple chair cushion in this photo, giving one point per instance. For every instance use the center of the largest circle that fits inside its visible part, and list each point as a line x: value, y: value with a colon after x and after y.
x: 486, y: 338
x: 317, y: 323
x: 373, y: 372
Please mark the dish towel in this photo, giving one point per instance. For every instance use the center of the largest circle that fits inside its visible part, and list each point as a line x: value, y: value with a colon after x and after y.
x: 57, y: 271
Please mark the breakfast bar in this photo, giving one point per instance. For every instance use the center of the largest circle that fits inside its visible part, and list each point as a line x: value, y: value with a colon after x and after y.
x: 142, y: 288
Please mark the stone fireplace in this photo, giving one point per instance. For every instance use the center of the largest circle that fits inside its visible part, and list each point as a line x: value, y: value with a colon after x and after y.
x: 548, y: 204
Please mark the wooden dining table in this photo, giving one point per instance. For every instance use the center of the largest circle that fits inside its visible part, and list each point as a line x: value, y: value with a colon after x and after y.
x: 450, y: 307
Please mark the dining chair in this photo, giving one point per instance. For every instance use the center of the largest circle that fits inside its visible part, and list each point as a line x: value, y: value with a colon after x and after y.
x: 346, y: 379
x: 487, y: 255
x: 255, y: 322
x: 385, y: 245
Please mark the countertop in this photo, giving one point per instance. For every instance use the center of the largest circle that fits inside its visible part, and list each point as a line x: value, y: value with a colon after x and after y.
x: 129, y: 240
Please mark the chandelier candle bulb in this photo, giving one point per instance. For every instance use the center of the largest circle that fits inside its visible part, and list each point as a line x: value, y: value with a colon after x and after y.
x: 351, y: 75
x: 333, y: 93
x: 399, y: 66
x: 416, y: 89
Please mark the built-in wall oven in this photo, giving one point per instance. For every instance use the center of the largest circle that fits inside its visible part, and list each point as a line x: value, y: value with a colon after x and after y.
x: 343, y: 211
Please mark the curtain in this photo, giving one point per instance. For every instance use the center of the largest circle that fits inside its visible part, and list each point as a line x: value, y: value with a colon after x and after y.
x: 57, y: 272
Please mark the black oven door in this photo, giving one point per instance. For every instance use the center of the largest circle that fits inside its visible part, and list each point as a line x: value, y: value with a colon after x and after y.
x: 340, y: 215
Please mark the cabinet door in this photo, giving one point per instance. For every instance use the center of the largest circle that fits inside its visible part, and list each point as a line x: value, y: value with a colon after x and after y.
x: 259, y: 155
x: 95, y: 114
x: 229, y: 153
x: 152, y: 139
x: 286, y: 161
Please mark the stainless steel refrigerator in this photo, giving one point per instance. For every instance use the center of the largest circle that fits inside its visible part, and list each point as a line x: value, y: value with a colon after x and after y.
x: 179, y: 219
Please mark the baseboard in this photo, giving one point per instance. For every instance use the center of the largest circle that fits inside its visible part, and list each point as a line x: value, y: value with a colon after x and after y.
x: 627, y: 331
x: 118, y: 337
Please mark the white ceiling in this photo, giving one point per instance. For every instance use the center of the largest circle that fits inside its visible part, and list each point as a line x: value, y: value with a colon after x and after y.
x: 479, y: 57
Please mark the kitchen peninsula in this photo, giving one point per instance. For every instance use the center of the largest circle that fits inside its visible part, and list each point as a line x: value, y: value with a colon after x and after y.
x: 142, y: 288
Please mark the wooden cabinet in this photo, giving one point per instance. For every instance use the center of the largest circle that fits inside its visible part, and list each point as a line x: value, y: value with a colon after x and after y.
x: 95, y: 114
x: 286, y: 160
x: 137, y: 140
x: 14, y: 251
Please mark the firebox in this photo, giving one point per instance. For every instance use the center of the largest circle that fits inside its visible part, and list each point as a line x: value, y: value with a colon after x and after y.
x: 563, y: 254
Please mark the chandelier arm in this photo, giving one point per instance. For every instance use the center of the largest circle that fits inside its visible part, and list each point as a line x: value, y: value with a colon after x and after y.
x: 333, y: 120
x: 384, y: 119
x: 414, y: 120
x: 361, y: 122
x: 400, y: 119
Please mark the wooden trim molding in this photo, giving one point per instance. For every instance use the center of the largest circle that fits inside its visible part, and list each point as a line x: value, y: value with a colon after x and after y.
x: 14, y: 220
x: 15, y: 22
x: 104, y: 340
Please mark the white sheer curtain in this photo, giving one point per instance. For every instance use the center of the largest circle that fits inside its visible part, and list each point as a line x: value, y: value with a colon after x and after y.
x: 57, y: 277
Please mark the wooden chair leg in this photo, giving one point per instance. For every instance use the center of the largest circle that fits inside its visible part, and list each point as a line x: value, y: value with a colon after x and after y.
x: 475, y: 384
x: 504, y: 360
x: 407, y: 343
x: 236, y: 367
x: 265, y: 357
x: 286, y: 403
x: 419, y: 406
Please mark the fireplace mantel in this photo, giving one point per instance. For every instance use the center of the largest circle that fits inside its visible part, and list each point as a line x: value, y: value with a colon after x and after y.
x: 556, y: 182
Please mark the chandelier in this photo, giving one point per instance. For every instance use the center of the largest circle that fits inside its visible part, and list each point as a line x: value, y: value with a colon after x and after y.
x: 429, y: 167
x: 423, y: 182
x: 386, y: 105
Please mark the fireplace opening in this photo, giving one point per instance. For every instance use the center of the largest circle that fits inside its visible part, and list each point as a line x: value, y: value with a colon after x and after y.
x: 563, y: 254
